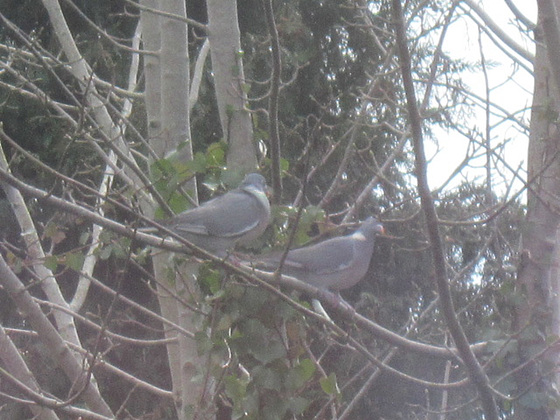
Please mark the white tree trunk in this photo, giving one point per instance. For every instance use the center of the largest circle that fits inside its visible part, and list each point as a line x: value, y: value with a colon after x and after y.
x: 229, y: 83
x: 167, y: 104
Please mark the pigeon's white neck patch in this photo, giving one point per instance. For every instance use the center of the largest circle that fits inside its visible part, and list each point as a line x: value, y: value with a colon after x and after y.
x: 251, y: 189
x: 359, y: 236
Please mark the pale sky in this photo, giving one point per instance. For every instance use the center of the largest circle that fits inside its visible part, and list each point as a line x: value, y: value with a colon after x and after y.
x: 511, y: 88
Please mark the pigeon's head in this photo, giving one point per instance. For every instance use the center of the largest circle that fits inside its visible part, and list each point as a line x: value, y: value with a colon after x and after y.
x: 254, y: 181
x: 371, y: 227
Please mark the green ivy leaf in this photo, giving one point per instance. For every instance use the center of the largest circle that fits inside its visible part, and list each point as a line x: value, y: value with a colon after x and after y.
x: 209, y: 279
x: 329, y: 385
x: 84, y: 237
x: 161, y: 169
x: 215, y: 154
x: 263, y: 348
x: 15, y: 263
x: 275, y: 409
x: 75, y: 261
x: 236, y: 388
x: 51, y: 262
x: 298, y: 405
x: 266, y: 378
x: 225, y: 322
x: 203, y: 342
x: 300, y: 374
x: 534, y: 400
x: 106, y: 236
x: 230, y: 109
x: 284, y: 165
x: 198, y: 164
x: 306, y: 368
x: 170, y: 275
x: 105, y: 252
x: 121, y: 248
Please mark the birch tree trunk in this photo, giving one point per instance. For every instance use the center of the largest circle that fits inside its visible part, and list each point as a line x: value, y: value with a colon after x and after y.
x: 167, y: 104
x: 167, y: 93
x: 229, y: 83
x: 536, y: 275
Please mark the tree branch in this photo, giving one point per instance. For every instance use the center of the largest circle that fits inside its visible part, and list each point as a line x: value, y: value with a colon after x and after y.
x: 17, y: 367
x: 62, y: 354
x: 374, y: 328
x: 505, y: 38
x: 476, y: 373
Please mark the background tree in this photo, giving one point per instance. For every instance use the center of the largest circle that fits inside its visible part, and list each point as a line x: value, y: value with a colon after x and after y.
x: 118, y: 112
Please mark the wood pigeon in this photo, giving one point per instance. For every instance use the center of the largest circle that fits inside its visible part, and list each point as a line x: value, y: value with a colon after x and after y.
x: 218, y: 224
x: 335, y: 264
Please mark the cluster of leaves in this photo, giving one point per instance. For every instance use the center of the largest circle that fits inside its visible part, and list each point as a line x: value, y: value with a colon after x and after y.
x: 260, y: 338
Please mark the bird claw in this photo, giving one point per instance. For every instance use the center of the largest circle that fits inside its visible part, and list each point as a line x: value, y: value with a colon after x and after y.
x: 233, y: 260
x: 336, y: 301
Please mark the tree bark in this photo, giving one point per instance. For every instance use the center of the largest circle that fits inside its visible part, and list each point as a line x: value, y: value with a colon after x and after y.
x: 229, y: 83
x: 74, y: 369
x: 167, y: 105
x: 540, y: 232
x: 15, y: 364
x: 151, y: 41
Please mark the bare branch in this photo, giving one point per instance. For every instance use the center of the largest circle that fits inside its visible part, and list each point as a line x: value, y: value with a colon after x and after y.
x: 18, y: 369
x: 172, y: 16
x: 38, y: 399
x: 505, y: 38
x: 478, y: 376
x: 198, y: 73
x: 62, y: 354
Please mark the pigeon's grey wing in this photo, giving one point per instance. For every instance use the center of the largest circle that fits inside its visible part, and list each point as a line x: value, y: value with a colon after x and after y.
x: 326, y: 257
x: 336, y: 264
x: 230, y: 215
